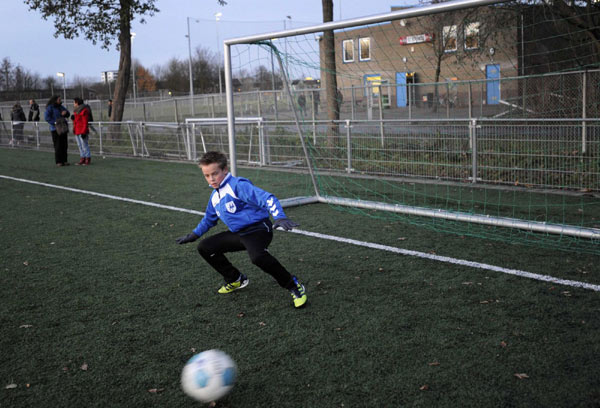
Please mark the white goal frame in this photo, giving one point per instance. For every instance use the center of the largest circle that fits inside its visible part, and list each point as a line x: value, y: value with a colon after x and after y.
x: 591, y: 233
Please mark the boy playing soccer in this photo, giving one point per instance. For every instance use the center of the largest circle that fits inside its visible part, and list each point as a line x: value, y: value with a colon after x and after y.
x: 245, y: 209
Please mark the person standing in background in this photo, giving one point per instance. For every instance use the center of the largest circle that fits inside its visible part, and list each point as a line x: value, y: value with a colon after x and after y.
x: 34, y: 111
x: 56, y: 115
x: 109, y: 108
x: 18, y: 118
x: 81, y: 118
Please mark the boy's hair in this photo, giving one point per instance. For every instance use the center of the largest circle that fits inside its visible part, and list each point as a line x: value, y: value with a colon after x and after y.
x: 213, y: 157
x: 78, y: 100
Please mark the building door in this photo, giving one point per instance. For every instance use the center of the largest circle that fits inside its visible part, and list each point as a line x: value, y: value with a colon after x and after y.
x: 401, y: 94
x: 492, y: 71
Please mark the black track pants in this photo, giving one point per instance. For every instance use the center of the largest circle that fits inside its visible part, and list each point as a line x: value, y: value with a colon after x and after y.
x: 255, y: 243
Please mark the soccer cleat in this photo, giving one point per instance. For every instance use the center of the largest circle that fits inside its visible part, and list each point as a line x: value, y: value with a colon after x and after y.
x: 242, y: 282
x: 298, y: 293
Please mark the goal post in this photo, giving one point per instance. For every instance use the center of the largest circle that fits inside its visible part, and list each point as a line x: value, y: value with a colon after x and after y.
x: 480, y: 147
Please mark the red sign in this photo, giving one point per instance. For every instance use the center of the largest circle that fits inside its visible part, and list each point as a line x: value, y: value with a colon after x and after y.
x: 416, y: 39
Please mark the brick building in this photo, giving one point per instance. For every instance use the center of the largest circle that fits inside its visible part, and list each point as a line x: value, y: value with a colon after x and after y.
x: 459, y: 46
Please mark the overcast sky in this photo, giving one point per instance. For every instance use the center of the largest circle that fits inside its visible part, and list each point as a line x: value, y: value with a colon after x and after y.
x: 29, y: 41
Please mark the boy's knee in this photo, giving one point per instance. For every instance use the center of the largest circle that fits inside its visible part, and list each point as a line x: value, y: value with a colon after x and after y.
x: 204, y: 249
x: 261, y: 259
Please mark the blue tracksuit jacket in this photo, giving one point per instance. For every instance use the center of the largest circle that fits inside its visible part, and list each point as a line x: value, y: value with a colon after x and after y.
x: 238, y: 203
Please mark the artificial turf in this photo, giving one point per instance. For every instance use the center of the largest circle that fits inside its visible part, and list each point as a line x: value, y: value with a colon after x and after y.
x: 99, y: 307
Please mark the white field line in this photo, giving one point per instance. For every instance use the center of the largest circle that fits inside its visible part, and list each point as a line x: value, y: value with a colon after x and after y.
x: 423, y: 255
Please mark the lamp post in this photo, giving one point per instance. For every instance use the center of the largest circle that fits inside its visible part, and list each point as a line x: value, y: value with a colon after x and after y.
x: 190, y: 66
x: 64, y: 77
x: 217, y: 18
x: 133, y: 69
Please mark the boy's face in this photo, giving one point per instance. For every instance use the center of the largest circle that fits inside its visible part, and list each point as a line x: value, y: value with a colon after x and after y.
x: 213, y: 174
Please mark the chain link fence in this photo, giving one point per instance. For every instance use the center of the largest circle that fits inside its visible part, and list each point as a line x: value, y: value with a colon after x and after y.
x: 542, y: 153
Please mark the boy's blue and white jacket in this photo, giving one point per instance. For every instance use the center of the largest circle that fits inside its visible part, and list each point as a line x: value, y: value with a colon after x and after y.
x: 239, y: 203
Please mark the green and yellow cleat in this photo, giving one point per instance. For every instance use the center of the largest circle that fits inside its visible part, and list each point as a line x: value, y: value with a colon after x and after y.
x: 298, y: 294
x: 242, y: 282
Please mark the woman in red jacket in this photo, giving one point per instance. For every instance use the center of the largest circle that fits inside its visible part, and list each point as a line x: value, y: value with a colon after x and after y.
x: 81, y: 119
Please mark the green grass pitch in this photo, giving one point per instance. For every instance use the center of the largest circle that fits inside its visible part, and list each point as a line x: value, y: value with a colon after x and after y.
x: 100, y: 308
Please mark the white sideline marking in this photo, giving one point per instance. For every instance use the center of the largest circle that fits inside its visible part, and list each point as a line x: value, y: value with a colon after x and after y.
x: 455, y: 261
x: 112, y: 197
x: 400, y: 251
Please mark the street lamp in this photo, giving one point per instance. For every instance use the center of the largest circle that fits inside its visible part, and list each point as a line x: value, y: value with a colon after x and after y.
x: 190, y: 65
x: 64, y: 77
x: 133, y: 68
x: 217, y: 18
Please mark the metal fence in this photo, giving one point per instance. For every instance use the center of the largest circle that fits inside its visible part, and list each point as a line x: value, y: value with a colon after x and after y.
x: 558, y: 95
x: 543, y: 153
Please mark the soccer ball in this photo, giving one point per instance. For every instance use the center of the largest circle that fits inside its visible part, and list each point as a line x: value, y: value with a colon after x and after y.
x: 208, y: 376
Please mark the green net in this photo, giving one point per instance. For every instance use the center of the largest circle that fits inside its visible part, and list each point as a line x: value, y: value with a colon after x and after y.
x: 471, y: 118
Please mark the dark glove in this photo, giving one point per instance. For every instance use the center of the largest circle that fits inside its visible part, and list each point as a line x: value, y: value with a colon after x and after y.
x: 285, y: 223
x: 188, y: 238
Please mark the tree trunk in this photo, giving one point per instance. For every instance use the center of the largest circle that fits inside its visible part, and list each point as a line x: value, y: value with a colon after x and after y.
x: 122, y: 83
x: 333, y: 113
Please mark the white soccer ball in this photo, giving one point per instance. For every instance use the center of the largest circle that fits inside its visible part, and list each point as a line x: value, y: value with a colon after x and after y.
x: 208, y: 376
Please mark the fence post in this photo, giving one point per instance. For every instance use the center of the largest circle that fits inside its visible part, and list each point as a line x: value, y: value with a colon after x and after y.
x: 131, y: 138
x: 447, y: 100
x: 410, y: 99
x: 470, y: 102
x: 381, y: 114
x: 261, y: 144
x: 369, y: 90
x: 584, y: 114
x: 349, y: 147
x: 481, y: 100
x: 37, y: 134
x: 473, y: 137
x: 259, y: 104
x: 176, y: 111
x: 100, y: 135
x: 194, y: 150
x: 142, y: 139
x: 353, y: 102
x: 524, y: 95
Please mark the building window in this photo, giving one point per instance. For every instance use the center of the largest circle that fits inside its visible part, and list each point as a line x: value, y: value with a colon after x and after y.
x: 449, y: 36
x: 364, y: 49
x: 471, y: 36
x: 348, y: 48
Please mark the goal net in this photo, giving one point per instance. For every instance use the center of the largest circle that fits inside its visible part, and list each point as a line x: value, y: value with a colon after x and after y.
x: 468, y: 117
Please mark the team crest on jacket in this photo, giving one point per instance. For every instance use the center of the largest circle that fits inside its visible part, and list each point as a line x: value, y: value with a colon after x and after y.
x: 230, y: 206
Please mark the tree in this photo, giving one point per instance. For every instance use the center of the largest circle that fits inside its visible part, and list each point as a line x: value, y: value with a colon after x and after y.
x: 450, y: 28
x: 570, y: 31
x: 205, y: 66
x: 333, y: 110
x: 6, y: 71
x: 50, y: 83
x: 145, y: 80
x: 99, y: 21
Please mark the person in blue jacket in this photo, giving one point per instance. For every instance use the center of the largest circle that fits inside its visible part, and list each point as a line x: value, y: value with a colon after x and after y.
x: 245, y: 209
x: 55, y: 110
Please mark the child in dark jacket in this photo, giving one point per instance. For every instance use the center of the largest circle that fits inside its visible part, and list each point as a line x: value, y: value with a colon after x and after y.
x: 245, y: 209
x: 55, y: 111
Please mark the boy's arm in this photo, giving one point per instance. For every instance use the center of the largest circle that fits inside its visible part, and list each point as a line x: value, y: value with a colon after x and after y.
x: 208, y: 221
x: 259, y: 197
